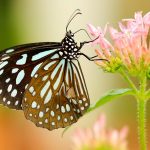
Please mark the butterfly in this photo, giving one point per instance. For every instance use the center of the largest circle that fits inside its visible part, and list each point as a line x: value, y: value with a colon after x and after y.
x: 46, y: 81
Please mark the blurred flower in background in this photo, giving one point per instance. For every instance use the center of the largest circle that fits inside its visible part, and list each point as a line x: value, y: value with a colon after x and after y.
x: 100, y: 138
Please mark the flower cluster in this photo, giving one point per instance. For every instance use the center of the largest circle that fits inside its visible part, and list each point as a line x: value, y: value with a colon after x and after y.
x: 99, y: 138
x: 130, y: 46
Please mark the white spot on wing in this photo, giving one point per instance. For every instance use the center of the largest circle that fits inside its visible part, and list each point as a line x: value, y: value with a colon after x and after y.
x: 15, y: 70
x: 57, y: 106
x: 84, y: 99
x: 8, y: 102
x: 30, y: 115
x: 55, y: 56
x: 47, y: 109
x: 26, y: 86
x: 65, y: 120
x: 3, y: 64
x: 40, y: 122
x: 35, y: 69
x: 45, y: 78
x: 53, y: 123
x: 41, y: 114
x: 5, y: 58
x: 74, y: 101
x: 14, y: 93
x: 86, y: 104
x: 20, y: 76
x: 42, y: 54
x: 9, y: 88
x: 67, y: 107
x: 49, y: 65
x: 23, y: 60
x: 71, y: 117
x: 34, y: 104
x: 1, y: 72
x: 36, y: 75
x: 63, y: 109
x: 46, y: 120
x: 33, y: 94
x: 16, y: 103
x: 7, y: 80
x: 61, y: 53
x: 4, y: 99
x: 45, y: 88
x: 48, y: 97
x: 52, y: 113
x: 31, y: 89
x: 82, y: 108
x: 80, y: 101
x: 38, y: 106
x: 58, y: 118
x: 9, y: 50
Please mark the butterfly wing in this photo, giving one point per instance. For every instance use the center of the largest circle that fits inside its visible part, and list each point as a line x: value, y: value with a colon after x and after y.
x: 58, y: 96
x: 17, y: 67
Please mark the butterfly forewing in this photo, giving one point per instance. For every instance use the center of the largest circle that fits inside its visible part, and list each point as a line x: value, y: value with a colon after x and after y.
x: 17, y: 66
x: 51, y: 99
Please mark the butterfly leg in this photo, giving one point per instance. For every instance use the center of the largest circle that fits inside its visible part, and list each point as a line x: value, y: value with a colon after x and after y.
x: 92, y: 58
x: 86, y: 42
x: 89, y: 58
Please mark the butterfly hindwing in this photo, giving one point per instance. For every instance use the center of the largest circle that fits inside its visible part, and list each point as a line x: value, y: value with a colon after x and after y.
x: 51, y: 99
x: 80, y: 87
x: 17, y: 67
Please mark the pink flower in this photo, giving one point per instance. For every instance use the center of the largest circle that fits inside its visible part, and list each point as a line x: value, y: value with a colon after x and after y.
x: 130, y: 45
x: 98, y: 32
x: 146, y: 19
x: 98, y: 137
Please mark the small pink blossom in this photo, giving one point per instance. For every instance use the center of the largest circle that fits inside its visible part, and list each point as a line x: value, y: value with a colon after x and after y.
x: 99, y: 34
x: 99, y: 137
x: 146, y: 19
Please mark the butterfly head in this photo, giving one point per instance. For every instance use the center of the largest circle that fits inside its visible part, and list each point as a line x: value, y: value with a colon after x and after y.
x: 69, y: 46
x: 69, y: 34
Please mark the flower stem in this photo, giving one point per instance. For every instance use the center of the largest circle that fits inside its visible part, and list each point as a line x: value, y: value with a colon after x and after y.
x: 141, y: 101
x: 129, y: 81
x: 141, y: 96
x: 142, y: 123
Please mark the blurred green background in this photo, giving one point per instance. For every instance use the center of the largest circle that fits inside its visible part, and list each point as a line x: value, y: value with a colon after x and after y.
x: 27, y: 21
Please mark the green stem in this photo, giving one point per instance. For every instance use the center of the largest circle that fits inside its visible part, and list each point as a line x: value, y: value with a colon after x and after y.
x: 129, y: 81
x: 141, y: 100
x: 143, y: 84
x: 141, y: 96
x: 142, y: 123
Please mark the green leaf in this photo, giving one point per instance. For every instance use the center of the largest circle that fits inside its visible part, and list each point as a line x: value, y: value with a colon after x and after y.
x: 111, y: 95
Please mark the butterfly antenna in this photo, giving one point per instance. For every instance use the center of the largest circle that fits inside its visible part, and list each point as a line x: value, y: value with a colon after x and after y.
x: 84, y: 31
x: 77, y: 10
x: 74, y: 14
